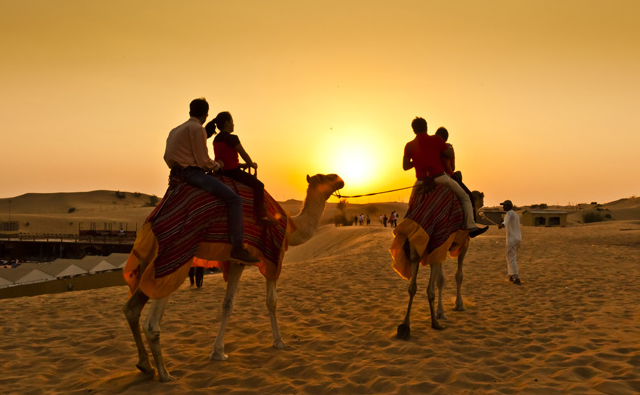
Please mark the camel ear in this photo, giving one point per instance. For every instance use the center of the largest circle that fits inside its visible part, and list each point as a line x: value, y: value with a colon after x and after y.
x: 308, y: 179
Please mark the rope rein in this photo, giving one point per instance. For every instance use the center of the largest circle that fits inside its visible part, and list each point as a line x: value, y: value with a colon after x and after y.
x: 337, y: 193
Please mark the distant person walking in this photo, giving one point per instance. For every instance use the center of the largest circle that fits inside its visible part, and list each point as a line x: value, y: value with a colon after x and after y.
x: 186, y: 154
x: 514, y: 238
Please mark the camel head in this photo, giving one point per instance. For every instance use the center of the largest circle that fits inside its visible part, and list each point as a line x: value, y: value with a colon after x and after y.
x: 324, y: 184
x: 478, y: 199
x: 320, y: 188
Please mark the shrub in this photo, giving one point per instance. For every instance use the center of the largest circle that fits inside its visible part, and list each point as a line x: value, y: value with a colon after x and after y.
x: 153, y: 201
x: 592, y: 216
x: 120, y: 195
x: 72, y: 209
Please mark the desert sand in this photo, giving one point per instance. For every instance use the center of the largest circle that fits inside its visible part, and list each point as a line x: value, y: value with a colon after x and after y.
x: 571, y: 327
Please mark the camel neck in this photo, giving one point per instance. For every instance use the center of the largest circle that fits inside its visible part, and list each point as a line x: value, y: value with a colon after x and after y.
x: 309, y: 217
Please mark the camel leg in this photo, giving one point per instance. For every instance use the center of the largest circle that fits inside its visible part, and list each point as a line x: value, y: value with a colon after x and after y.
x: 404, y: 329
x: 132, y: 310
x: 431, y: 294
x: 235, y: 271
x: 152, y: 332
x: 440, y: 284
x: 459, y: 277
x: 272, y: 303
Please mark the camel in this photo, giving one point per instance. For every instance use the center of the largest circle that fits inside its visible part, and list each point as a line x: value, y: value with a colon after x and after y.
x: 478, y: 202
x: 320, y: 188
x: 458, y: 247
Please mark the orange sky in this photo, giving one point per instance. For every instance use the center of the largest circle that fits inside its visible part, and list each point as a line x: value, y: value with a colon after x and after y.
x: 540, y: 97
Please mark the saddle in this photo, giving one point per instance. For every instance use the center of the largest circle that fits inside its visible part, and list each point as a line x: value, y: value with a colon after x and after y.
x: 428, y: 185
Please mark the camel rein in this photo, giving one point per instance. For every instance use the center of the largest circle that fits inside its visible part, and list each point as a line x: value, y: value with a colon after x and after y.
x: 339, y: 196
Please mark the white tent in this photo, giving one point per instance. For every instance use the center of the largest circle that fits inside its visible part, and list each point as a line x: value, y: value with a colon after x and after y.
x: 34, y: 276
x: 92, y: 266
x: 57, y: 269
x: 4, y: 282
x: 117, y: 259
x: 24, y: 275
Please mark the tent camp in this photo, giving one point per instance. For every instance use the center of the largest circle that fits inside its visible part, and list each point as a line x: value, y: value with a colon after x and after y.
x: 28, y: 273
x: 24, y: 275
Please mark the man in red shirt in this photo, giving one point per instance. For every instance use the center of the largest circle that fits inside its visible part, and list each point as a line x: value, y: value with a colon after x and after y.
x: 424, y: 153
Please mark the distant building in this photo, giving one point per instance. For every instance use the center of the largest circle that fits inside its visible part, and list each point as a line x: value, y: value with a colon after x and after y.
x: 9, y: 228
x: 544, y: 218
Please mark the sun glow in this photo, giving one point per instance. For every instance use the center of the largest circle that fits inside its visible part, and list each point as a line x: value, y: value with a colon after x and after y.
x: 356, y: 160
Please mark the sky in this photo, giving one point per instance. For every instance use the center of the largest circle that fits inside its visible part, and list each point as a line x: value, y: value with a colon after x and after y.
x: 540, y: 97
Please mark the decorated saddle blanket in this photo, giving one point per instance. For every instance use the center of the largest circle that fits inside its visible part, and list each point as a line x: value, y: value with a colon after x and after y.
x: 433, y: 225
x: 189, y: 228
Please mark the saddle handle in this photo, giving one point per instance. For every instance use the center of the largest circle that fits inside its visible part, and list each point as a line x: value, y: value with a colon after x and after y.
x: 247, y: 169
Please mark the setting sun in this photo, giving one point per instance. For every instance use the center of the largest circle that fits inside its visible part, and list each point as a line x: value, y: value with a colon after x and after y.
x: 355, y: 155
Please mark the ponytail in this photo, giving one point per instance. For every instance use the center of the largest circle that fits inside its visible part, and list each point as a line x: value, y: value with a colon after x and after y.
x: 220, y: 119
x: 211, y: 128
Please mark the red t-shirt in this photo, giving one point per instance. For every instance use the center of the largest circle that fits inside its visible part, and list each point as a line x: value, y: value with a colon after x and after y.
x: 224, y: 148
x: 425, y: 152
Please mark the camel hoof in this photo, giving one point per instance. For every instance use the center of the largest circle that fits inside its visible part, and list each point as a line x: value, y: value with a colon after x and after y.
x: 280, y: 345
x: 145, y: 367
x: 166, y: 378
x: 404, y: 332
x: 218, y: 356
x: 459, y: 308
x: 438, y: 326
x: 442, y: 316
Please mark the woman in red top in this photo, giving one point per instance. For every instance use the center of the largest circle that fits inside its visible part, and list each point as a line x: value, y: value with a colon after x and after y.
x: 227, y: 147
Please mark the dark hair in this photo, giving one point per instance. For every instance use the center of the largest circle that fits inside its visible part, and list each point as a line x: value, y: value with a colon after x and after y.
x: 210, y: 128
x: 443, y: 132
x: 199, y: 107
x: 419, y: 125
x: 220, y: 119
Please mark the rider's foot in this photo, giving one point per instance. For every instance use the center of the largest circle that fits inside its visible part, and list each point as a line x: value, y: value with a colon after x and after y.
x: 241, y: 254
x: 477, y: 231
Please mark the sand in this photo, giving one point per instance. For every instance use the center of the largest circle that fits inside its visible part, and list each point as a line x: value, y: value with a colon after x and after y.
x: 571, y: 327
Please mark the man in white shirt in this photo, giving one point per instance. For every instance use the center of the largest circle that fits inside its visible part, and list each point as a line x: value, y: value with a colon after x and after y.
x: 187, y: 153
x: 514, y: 238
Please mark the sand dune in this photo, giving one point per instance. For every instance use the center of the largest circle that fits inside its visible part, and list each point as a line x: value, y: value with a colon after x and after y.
x: 49, y: 213
x: 572, y: 327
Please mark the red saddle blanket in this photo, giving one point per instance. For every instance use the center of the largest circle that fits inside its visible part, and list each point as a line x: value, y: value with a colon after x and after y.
x: 433, y: 227
x: 189, y: 228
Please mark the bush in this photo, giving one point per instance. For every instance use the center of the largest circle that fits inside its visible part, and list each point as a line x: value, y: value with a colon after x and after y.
x: 120, y: 195
x: 153, y: 201
x: 72, y: 209
x: 592, y: 216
